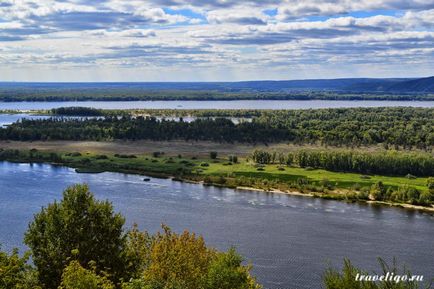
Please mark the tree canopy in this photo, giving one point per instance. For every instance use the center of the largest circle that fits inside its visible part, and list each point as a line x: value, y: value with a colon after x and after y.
x: 77, y: 222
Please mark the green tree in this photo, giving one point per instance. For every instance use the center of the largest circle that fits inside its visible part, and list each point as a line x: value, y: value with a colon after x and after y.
x: 15, y: 272
x: 78, y: 222
x: 227, y: 272
x: 137, y: 251
x: 378, y: 191
x: 349, y: 278
x: 183, y: 261
x: 76, y: 277
x: 178, y: 261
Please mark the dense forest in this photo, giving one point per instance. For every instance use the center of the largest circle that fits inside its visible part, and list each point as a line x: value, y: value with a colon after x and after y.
x: 399, y: 127
x: 77, y: 111
x: 390, y: 163
x: 132, y: 94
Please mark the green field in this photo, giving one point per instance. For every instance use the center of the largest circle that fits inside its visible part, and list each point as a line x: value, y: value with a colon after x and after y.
x: 193, y: 168
x: 339, y: 179
x: 243, y: 173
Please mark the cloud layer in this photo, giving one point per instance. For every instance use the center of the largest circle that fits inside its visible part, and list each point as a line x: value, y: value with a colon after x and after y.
x: 74, y: 40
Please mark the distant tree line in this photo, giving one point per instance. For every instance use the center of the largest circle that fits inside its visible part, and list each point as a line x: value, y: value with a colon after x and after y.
x: 130, y: 92
x: 396, y: 127
x: 390, y: 163
x: 77, y: 111
x: 128, y: 128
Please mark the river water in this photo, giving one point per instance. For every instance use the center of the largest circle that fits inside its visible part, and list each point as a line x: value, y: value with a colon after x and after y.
x: 214, y: 104
x: 288, y: 239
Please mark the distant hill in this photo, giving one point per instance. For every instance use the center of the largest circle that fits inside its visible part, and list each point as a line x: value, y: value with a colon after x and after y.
x: 343, y: 88
x: 414, y: 85
x: 395, y: 85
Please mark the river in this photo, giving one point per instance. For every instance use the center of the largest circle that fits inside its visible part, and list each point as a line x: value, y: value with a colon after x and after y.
x: 288, y: 239
x: 214, y: 104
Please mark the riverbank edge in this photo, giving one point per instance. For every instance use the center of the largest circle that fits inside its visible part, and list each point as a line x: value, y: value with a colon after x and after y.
x: 338, y: 195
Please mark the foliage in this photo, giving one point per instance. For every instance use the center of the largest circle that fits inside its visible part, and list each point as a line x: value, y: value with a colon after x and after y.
x: 386, y: 163
x: 137, y: 251
x: 178, y: 261
x: 15, y: 272
x: 183, y: 261
x: 213, y: 155
x: 233, y: 159
x: 104, y: 258
x: 333, y: 279
x: 78, y: 222
x: 403, y: 127
x: 74, y: 276
x: 227, y: 272
x: 77, y: 111
x: 430, y: 184
x: 190, y: 91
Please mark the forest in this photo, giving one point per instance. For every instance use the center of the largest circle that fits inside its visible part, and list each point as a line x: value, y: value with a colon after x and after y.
x: 398, y: 127
x: 385, y: 163
x: 327, y: 89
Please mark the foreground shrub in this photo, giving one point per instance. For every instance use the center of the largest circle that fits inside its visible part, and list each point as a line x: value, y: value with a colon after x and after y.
x: 15, y: 272
x: 183, y: 261
x: 348, y: 278
x: 76, y: 277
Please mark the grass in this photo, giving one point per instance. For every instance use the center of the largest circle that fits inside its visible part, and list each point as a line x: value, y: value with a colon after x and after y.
x: 220, y: 172
x: 338, y: 179
x: 174, y: 166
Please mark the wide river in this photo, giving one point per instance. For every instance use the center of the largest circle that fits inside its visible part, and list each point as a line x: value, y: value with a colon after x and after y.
x: 288, y: 239
x: 216, y: 104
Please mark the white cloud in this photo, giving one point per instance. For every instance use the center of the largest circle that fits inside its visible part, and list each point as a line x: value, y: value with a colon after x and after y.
x: 216, y: 39
x: 238, y: 16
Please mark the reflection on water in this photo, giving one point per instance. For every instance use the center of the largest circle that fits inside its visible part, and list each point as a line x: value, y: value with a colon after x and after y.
x: 288, y: 239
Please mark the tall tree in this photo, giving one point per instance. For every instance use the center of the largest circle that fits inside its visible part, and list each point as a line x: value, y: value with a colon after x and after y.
x: 77, y: 222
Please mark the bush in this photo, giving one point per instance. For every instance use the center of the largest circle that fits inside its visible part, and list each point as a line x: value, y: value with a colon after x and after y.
x: 227, y: 272
x: 157, y: 154
x: 233, y: 159
x: 213, y: 155
x: 15, y: 272
x: 74, y: 276
x: 347, y: 279
x: 184, y: 261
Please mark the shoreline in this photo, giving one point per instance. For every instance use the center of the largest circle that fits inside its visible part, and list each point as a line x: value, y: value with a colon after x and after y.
x: 371, y: 202
x: 337, y: 195
x: 309, y: 195
x: 419, y: 208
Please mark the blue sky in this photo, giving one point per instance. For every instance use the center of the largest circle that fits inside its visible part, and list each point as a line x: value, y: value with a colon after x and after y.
x: 214, y: 40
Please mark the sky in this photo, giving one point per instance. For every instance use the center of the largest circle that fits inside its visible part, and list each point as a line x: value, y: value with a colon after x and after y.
x: 214, y: 40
